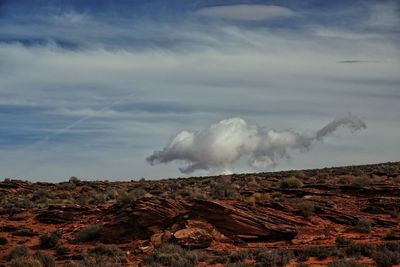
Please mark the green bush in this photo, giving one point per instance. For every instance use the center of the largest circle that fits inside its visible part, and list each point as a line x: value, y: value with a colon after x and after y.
x: 18, y: 252
x: 291, y: 182
x: 88, y: 233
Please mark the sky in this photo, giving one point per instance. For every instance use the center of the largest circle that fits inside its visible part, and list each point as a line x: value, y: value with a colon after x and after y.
x: 92, y: 88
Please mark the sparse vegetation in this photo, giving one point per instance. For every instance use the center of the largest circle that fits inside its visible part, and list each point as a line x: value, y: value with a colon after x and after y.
x: 18, y: 252
x: 26, y: 262
x: 109, y: 251
x: 173, y: 204
x: 126, y: 198
x: 386, y: 258
x: 270, y: 258
x: 291, y: 182
x: 62, y: 251
x: 363, y: 226
x: 172, y: 255
x: 306, y: 208
x: 45, y: 259
x: 88, y: 233
x: 343, y: 242
x: 361, y: 181
x: 346, y: 263
x: 239, y: 256
x: 50, y: 240
x: 3, y: 240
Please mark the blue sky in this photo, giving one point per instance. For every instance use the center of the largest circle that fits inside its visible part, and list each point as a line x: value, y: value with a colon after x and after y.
x: 91, y: 88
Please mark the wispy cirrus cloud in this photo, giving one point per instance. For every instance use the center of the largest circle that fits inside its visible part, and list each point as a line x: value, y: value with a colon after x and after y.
x: 247, y: 12
x: 99, y: 94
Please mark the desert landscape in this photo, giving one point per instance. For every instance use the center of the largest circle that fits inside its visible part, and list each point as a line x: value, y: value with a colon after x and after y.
x: 199, y: 133
x: 342, y: 216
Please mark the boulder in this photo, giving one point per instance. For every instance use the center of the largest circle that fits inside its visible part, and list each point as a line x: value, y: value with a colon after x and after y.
x: 193, y: 238
x: 239, y: 222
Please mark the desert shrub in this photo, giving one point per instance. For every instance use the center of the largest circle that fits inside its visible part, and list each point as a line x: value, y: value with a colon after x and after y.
x: 62, y: 251
x: 222, y: 190
x: 269, y: 258
x: 386, y: 257
x: 306, y: 208
x: 3, y: 240
x: 363, y: 226
x: 291, y: 182
x: 69, y: 263
x: 355, y: 249
x: 237, y: 264
x: 345, y: 179
x: 18, y: 252
x: 74, y: 180
x: 172, y: 255
x: 277, y: 195
x: 342, y: 241
x: 96, y: 261
x: 40, y: 195
x: 51, y: 240
x: 322, y: 177
x: 361, y: 181
x: 219, y: 260
x: 66, y: 186
x: 45, y: 259
x: 26, y: 262
x: 346, y: 263
x: 126, y: 198
x: 239, y: 256
x: 96, y: 198
x: 19, y: 203
x: 392, y: 246
x: 252, y: 182
x: 189, y: 192
x: 390, y: 235
x: 109, y: 251
x: 318, y: 252
x: 88, y: 233
x: 394, y: 214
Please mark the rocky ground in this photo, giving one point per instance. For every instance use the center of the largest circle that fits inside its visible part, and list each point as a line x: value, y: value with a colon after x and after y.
x: 346, y: 216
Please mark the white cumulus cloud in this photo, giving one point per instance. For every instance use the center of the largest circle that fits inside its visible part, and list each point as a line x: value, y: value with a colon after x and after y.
x: 222, y: 144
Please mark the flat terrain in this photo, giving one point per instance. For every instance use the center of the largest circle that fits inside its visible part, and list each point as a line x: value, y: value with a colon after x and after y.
x: 345, y: 216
